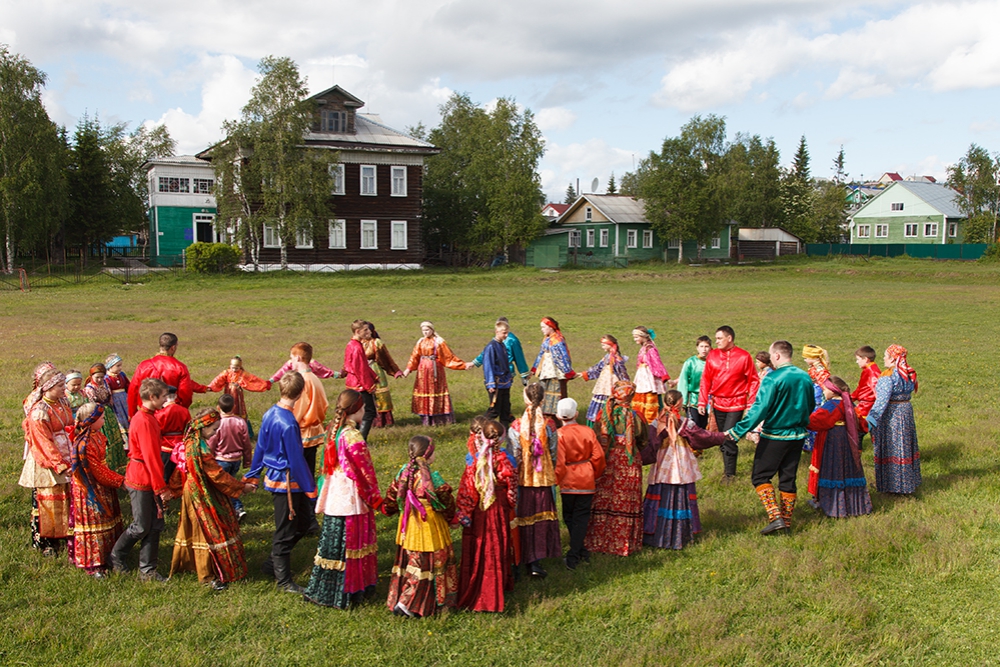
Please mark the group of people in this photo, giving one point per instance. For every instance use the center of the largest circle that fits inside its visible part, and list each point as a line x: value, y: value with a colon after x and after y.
x: 82, y: 434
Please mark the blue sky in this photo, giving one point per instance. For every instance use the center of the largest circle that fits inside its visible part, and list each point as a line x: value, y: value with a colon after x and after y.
x: 903, y: 86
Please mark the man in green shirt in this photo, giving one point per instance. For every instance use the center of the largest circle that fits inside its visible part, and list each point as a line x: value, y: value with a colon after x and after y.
x: 784, y: 402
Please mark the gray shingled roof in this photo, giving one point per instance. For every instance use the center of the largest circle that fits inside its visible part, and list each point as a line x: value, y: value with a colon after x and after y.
x: 370, y: 130
x: 940, y: 197
x: 619, y: 208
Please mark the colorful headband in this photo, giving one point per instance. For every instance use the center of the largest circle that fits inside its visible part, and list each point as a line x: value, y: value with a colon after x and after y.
x: 94, y: 416
x: 550, y: 323
x: 205, y: 420
x: 41, y: 369
x: 112, y: 360
x: 52, y: 382
x: 427, y: 323
x: 647, y: 332
x: 98, y: 368
x: 623, y: 391
x: 74, y: 375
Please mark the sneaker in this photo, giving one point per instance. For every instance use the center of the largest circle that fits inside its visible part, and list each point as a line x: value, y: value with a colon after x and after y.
x: 401, y: 610
x: 813, y: 503
x: 151, y: 576
x: 570, y: 565
x: 240, y: 516
x: 219, y: 585
x: 118, y: 567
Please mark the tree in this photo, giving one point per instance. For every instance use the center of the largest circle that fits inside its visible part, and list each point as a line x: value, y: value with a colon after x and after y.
x: 92, y: 203
x: 612, y: 186
x: 571, y: 195
x: 839, y: 168
x: 797, y: 192
x: 264, y: 174
x: 751, y: 182
x: 976, y: 178
x: 126, y: 154
x: 482, y: 193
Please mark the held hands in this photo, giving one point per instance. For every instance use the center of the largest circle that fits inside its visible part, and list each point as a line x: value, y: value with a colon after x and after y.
x: 249, y: 488
x: 468, y: 365
x: 701, y: 410
x: 406, y: 372
x: 166, y: 496
x: 398, y: 374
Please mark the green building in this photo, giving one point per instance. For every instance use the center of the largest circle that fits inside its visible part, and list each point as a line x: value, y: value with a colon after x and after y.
x: 909, y: 212
x: 181, y: 207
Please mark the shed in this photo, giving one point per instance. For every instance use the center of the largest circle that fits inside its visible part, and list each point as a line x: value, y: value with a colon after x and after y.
x: 766, y: 243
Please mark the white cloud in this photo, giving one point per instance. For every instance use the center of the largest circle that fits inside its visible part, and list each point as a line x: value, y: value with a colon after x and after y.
x: 554, y: 118
x: 594, y: 158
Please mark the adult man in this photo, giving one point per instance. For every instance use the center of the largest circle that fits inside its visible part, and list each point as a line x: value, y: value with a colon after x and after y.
x: 730, y: 383
x: 164, y: 367
x: 358, y: 374
x: 783, y: 404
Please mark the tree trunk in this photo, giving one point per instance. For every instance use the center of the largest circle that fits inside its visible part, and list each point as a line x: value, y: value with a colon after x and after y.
x: 9, y: 248
x: 680, y: 251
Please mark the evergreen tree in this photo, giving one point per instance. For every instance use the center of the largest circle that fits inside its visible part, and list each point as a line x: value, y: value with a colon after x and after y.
x: 612, y: 186
x: 571, y: 195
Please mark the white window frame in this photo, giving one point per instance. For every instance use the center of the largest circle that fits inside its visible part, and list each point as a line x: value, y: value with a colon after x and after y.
x: 896, y: 206
x: 373, y: 226
x: 674, y: 244
x: 398, y: 178
x: 591, y: 237
x: 374, y: 181
x: 337, y: 228
x: 882, y: 231
x: 589, y: 214
x: 647, y: 238
x: 933, y: 226
x: 605, y: 237
x: 864, y: 231
x: 631, y: 238
x: 716, y: 243
x: 272, y: 232
x: 204, y: 217
x: 906, y: 230
x: 395, y: 226
x: 574, y: 238
x: 303, y: 239
x: 339, y: 183
x: 952, y: 230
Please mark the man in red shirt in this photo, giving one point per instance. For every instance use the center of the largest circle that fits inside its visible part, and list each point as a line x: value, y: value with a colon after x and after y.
x: 730, y: 383
x: 358, y: 374
x: 164, y: 367
x: 147, y: 489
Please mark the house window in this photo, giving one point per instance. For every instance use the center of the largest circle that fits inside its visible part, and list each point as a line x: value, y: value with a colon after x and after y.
x: 952, y: 229
x: 632, y: 239
x: 304, y: 238
x: 910, y: 230
x: 590, y: 214
x: 369, y: 234
x: 202, y: 186
x: 930, y: 229
x: 171, y: 184
x: 271, y: 238
x: 647, y: 238
x: 338, y: 234
x: 674, y: 244
x: 881, y: 231
x: 590, y: 238
x: 864, y: 231
x: 368, y: 184
x: 399, y: 181
x: 574, y: 238
x: 604, y: 238
x: 398, y: 240
x: 333, y: 121
x: 337, y: 176
x: 716, y: 242
x: 896, y: 206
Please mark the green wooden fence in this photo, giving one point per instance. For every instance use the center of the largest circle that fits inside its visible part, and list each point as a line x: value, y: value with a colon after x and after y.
x: 967, y: 251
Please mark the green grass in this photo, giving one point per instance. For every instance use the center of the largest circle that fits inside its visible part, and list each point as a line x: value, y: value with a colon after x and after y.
x: 916, y: 582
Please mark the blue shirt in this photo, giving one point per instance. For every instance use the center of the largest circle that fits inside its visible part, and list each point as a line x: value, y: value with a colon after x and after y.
x: 279, y: 449
x: 497, y: 372
x: 514, y: 353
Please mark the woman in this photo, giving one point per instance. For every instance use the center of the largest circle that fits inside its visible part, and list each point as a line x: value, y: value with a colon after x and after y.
x: 552, y: 366
x: 345, y: 569
x: 651, y: 377
x: 98, y: 391
x: 430, y: 356
x: 208, y: 532
x: 616, y: 516
x: 609, y: 370
x: 381, y: 362
x: 841, y: 487
x: 97, y: 515
x: 890, y: 421
x: 818, y: 364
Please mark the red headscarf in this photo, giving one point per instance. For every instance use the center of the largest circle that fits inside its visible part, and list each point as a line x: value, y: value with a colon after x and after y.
x: 897, y: 353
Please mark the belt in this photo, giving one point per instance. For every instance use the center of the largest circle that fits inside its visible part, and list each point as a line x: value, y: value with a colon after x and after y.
x: 117, y: 391
x: 576, y: 463
x: 905, y: 400
x: 172, y: 433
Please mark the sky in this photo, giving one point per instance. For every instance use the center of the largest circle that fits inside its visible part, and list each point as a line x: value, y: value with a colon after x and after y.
x: 902, y: 86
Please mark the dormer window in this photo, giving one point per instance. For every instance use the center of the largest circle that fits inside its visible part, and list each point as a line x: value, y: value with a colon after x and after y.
x: 333, y: 121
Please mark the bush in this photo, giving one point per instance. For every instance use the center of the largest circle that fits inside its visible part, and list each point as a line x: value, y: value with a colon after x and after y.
x: 992, y: 253
x: 212, y: 258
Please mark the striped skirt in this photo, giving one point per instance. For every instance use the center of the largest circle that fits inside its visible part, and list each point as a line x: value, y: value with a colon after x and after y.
x: 346, y: 562
x: 537, y: 524
x: 423, y: 581
x: 670, y: 515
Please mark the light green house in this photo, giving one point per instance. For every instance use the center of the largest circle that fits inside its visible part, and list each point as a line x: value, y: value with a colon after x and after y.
x: 610, y: 230
x: 909, y: 212
x: 181, y: 207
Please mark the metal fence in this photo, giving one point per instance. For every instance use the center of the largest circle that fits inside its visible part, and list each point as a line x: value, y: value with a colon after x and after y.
x: 964, y: 251
x: 118, y: 273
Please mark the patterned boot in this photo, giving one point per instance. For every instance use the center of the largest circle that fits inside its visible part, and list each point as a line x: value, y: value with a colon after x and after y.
x: 787, y: 506
x: 766, y: 493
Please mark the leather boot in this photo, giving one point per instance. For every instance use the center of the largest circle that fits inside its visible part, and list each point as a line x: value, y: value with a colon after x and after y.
x: 365, y: 427
x: 283, y: 575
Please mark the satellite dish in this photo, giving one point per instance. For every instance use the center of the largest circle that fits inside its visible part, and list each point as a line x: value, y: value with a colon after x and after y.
x: 593, y: 185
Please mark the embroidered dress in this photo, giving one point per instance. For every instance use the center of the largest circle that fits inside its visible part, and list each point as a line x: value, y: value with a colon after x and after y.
x: 894, y: 438
x: 97, y: 515
x: 670, y: 509
x: 234, y: 383
x: 424, y: 574
x: 118, y: 384
x: 76, y: 401
x: 607, y: 372
x: 208, y: 533
x: 841, y: 488
x: 46, y: 472
x: 650, y: 376
x: 100, y: 393
x: 536, y: 519
x: 553, y: 368
x: 345, y: 566
x: 431, y: 399
x: 382, y: 363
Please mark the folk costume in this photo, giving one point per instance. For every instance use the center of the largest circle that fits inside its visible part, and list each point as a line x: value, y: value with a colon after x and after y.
x: 174, y: 420
x: 689, y: 384
x: 553, y: 367
x: 819, y: 371
x: 864, y: 396
x: 173, y: 372
x: 97, y: 515
x: 118, y: 384
x: 310, y: 411
x: 841, y: 487
x: 579, y: 462
x: 359, y: 376
x: 607, y: 372
x: 515, y: 353
x: 76, y: 399
x: 729, y: 383
x: 321, y: 371
x: 670, y: 509
x: 431, y: 400
x: 616, y: 516
x: 784, y: 403
x: 534, y: 443
x: 894, y: 432
x: 345, y: 566
x: 498, y: 380
x: 234, y: 383
x: 208, y: 533
x: 486, y: 497
x: 424, y: 574
x: 382, y: 364
x: 650, y: 378
x: 99, y: 392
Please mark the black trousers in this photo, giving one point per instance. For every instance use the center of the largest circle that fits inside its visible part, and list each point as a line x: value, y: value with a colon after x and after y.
x: 500, y: 408
x: 287, y: 532
x: 370, y: 413
x: 576, y: 516
x: 310, y: 454
x: 777, y: 457
x: 145, y: 526
x: 168, y: 466
x: 730, y: 450
x: 700, y: 419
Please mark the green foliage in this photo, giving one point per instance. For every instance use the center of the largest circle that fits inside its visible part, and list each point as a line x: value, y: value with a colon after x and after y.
x: 612, y: 185
x: 992, y: 254
x: 571, y: 195
x: 751, y: 182
x: 976, y: 177
x: 212, y: 257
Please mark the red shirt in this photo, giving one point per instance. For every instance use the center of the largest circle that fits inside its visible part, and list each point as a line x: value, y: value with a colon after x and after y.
x: 358, y: 374
x: 730, y: 379
x: 145, y: 467
x: 173, y: 419
x: 173, y: 372
x: 864, y: 395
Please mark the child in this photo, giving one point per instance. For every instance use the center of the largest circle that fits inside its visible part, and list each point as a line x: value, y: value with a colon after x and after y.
x: 231, y: 444
x: 670, y: 509
x: 346, y: 562
x: 762, y: 361
x: 514, y: 352
x: 97, y: 390
x: 842, y: 489
x: 146, y: 486
x: 486, y: 496
x: 689, y: 381
x: 316, y: 367
x: 118, y: 383
x: 97, y: 516
x: 579, y: 462
x: 650, y: 375
x: 76, y: 397
x: 864, y: 396
x: 818, y: 365
x: 609, y: 370
x: 424, y: 576
x: 174, y: 419
x: 311, y: 406
x: 279, y: 449
x: 233, y: 381
x: 358, y: 374
x: 208, y: 532
x: 497, y: 375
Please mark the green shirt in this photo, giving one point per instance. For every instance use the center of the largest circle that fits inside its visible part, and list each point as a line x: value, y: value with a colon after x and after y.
x: 689, y: 381
x: 784, y: 403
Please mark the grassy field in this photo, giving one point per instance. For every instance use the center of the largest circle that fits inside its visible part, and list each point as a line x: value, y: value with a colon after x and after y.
x: 916, y: 582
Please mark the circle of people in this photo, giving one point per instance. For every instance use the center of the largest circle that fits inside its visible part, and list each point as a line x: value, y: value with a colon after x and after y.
x: 81, y: 432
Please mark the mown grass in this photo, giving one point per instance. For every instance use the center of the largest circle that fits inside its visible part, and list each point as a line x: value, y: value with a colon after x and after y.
x: 914, y: 583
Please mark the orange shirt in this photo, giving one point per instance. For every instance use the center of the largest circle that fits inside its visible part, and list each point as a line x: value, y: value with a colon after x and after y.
x: 310, y: 410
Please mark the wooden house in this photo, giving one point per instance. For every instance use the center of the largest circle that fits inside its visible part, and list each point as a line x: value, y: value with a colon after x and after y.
x: 909, y: 212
